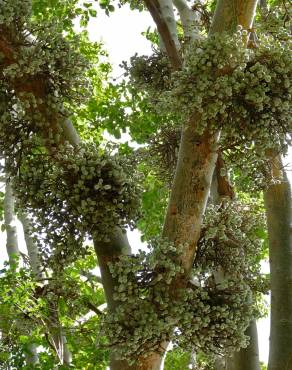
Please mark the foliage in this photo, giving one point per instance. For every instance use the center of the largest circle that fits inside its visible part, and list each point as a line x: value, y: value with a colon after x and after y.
x: 243, y: 92
x: 72, y: 192
x: 26, y: 314
x: 176, y: 359
x: 207, y: 315
x: 231, y: 231
x: 153, y: 204
x: 88, y: 192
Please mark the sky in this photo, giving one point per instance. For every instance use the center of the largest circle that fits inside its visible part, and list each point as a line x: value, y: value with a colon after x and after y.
x: 121, y: 35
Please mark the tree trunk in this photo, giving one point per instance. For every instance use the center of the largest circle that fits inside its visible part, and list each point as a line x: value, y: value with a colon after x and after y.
x: 278, y: 205
x: 197, y: 154
x: 31, y: 246
x: 31, y: 356
x: 10, y: 224
x: 247, y: 358
x: 59, y: 340
x: 197, y: 157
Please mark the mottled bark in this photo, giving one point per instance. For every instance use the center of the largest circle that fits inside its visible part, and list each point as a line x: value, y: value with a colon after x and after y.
x: 278, y: 205
x: 190, y: 190
x: 231, y: 13
x: 197, y: 157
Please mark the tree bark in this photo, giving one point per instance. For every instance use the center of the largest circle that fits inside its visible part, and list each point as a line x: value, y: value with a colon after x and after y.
x: 278, y: 205
x: 31, y: 246
x: 189, y: 19
x: 10, y: 224
x: 247, y: 358
x: 54, y: 327
x: 31, y: 356
x: 190, y: 191
x: 197, y: 157
x: 231, y: 13
x: 167, y: 36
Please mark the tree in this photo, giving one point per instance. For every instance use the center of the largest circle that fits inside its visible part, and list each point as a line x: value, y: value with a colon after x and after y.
x: 218, y: 94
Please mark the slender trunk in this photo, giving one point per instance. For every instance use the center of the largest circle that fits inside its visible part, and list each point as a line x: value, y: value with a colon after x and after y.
x: 10, y: 224
x: 107, y: 252
x: 60, y: 345
x: 189, y: 20
x: 31, y: 246
x: 232, y: 13
x: 31, y: 356
x: 247, y: 358
x: 278, y: 205
x: 58, y: 338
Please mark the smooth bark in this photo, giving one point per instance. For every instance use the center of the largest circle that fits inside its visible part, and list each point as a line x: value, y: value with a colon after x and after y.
x: 31, y: 246
x: 10, y: 224
x: 166, y: 35
x: 59, y: 341
x: 245, y: 359
x: 31, y: 356
x: 190, y: 190
x: 231, y: 13
x: 189, y: 20
x: 197, y: 157
x: 278, y: 205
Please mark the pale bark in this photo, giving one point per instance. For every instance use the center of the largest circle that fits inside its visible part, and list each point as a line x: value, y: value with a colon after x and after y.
x: 189, y: 20
x: 31, y: 246
x: 60, y: 344
x: 278, y: 205
x: 31, y: 356
x: 168, y: 39
x: 245, y: 359
x: 166, y: 9
x: 197, y: 157
x: 70, y: 133
x: 59, y: 340
x: 231, y: 13
x: 192, y: 181
x: 10, y: 224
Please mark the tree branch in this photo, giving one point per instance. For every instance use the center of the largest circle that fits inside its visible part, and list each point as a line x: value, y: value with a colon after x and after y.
x: 189, y: 19
x: 164, y: 32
